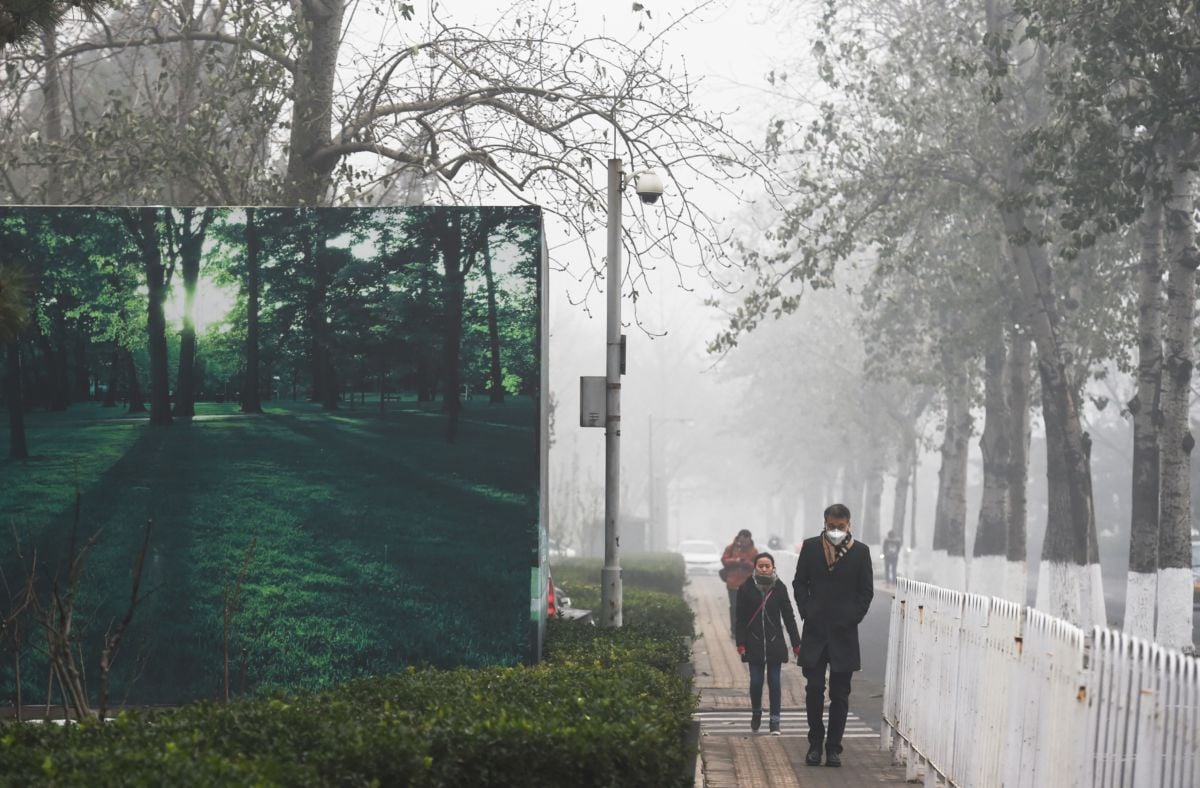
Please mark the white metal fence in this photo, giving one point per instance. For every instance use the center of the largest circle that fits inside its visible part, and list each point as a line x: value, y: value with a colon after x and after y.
x: 984, y: 692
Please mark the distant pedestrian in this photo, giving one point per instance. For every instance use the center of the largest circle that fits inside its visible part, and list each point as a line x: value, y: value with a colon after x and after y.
x: 891, y: 555
x: 737, y: 565
x: 833, y: 587
x: 763, y: 612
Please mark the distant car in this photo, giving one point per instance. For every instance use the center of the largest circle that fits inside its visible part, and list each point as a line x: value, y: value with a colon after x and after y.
x: 700, y: 556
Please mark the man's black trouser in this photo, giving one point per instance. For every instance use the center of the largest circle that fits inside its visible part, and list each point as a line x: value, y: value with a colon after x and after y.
x: 839, y: 704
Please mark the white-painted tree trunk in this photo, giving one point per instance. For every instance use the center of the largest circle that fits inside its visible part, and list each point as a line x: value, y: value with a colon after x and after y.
x: 1060, y: 590
x: 1174, y: 627
x: 1141, y: 594
x: 1016, y: 582
x: 939, y: 568
x: 1096, y: 615
x: 1174, y: 624
x: 987, y: 575
x: 956, y: 572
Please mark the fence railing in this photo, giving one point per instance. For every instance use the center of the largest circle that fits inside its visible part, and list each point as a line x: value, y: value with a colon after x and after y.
x: 984, y: 692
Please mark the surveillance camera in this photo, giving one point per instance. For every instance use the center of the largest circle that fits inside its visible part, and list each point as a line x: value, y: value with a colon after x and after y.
x: 648, y: 185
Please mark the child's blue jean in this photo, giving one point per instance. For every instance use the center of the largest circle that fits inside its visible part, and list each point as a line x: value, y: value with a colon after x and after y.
x: 774, y: 691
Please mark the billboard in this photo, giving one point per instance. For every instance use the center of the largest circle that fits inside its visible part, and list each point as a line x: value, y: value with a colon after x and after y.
x: 249, y: 449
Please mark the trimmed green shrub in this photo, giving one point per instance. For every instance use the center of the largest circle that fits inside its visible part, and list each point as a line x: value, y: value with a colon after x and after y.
x: 564, y: 724
x: 665, y: 572
x: 652, y: 610
x: 568, y: 643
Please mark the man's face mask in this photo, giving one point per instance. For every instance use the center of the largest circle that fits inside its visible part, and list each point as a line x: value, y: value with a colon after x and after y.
x: 837, y: 530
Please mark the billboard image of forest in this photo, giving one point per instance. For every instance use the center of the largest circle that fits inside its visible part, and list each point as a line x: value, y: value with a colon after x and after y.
x: 253, y: 449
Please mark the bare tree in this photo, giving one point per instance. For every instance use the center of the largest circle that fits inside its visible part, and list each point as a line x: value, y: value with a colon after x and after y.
x: 526, y: 110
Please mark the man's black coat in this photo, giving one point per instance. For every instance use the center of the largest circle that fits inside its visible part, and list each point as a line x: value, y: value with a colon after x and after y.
x: 832, y: 603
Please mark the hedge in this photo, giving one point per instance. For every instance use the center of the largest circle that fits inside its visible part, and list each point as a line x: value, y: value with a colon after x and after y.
x: 653, y: 610
x: 665, y: 572
x: 606, y: 708
x: 562, y: 724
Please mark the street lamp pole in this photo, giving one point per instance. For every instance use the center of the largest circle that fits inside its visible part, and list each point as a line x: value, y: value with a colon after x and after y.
x: 610, y: 576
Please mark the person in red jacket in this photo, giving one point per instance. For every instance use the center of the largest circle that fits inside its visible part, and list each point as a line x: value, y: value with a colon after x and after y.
x: 737, y: 566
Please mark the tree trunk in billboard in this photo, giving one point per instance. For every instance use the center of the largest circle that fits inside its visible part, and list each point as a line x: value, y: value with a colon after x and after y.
x: 142, y: 224
x: 137, y: 403
x: 251, y: 394
x: 450, y: 246
x: 18, y: 448
x: 189, y: 265
x: 114, y: 378
x: 496, y: 389
x: 83, y: 375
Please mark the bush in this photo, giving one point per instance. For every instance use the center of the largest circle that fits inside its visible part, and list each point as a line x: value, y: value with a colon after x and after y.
x: 653, y: 610
x: 570, y: 644
x: 606, y: 707
x: 665, y: 572
x: 552, y: 725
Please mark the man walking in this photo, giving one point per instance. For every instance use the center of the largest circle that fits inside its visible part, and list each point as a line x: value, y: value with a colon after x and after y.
x: 891, y: 556
x: 833, y: 589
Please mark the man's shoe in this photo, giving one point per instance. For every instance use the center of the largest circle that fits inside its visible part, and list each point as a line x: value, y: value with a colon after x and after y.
x: 833, y: 759
x: 774, y: 726
x: 755, y: 719
x: 814, y: 755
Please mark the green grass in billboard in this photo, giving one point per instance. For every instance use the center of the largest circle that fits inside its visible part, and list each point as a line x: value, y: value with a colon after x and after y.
x: 376, y: 529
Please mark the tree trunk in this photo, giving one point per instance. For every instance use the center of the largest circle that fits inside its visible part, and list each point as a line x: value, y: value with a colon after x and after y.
x: 251, y: 393
x: 62, y: 381
x: 1020, y: 373
x: 1174, y: 625
x: 52, y: 98
x: 308, y: 178
x: 156, y: 324
x: 852, y: 491
x: 18, y: 447
x: 453, y: 294
x: 496, y: 390
x: 950, y: 520
x: 1142, y: 582
x: 114, y: 379
x: 189, y: 262
x: 137, y: 404
x: 54, y: 395
x: 382, y: 388
x: 990, y: 552
x: 872, y: 506
x: 904, y: 465
x: 1068, y: 578
x: 83, y: 376
x: 325, y: 385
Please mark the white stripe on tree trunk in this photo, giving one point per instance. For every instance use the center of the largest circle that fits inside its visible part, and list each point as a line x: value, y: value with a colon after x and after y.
x: 986, y: 575
x: 1174, y: 608
x: 1060, y: 590
x: 1016, y: 582
x: 1141, y: 591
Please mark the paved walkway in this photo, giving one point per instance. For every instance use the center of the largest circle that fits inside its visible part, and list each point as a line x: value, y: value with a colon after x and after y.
x: 732, y: 756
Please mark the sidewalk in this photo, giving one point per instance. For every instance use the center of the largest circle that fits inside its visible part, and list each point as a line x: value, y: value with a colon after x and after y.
x: 732, y: 756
